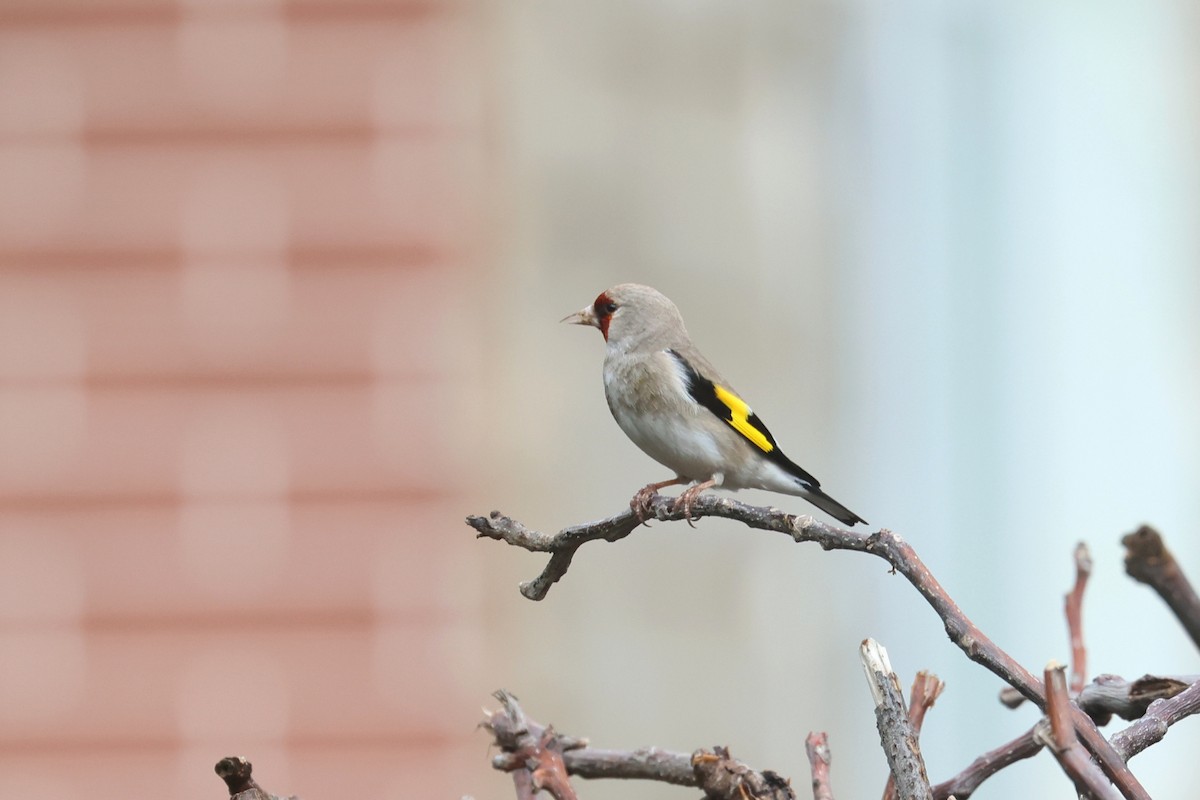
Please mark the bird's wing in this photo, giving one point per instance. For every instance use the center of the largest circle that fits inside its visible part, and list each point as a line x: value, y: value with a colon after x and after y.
x: 736, y: 413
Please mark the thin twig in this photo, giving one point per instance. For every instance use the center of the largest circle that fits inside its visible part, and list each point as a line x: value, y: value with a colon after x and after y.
x: 1152, y: 727
x: 964, y: 784
x: 896, y: 731
x: 884, y: 544
x: 926, y: 689
x: 1089, y: 780
x: 817, y: 747
x: 1073, y: 603
x: 1148, y: 561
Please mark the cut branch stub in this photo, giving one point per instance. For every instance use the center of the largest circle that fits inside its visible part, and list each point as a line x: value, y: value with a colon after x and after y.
x: 896, y: 731
x: 926, y: 689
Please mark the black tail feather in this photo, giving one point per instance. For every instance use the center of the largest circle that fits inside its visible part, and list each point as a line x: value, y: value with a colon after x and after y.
x: 832, y: 507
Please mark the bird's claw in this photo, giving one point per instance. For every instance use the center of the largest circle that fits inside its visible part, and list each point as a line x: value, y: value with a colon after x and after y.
x: 684, y: 504
x: 640, y: 504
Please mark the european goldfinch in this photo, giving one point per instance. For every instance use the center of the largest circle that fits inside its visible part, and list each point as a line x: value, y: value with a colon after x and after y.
x: 670, y: 401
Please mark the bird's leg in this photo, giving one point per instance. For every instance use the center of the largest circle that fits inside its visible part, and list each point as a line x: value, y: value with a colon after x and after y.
x: 641, y: 501
x: 689, y: 496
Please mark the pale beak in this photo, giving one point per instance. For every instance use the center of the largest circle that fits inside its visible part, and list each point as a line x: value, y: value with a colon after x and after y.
x: 584, y: 316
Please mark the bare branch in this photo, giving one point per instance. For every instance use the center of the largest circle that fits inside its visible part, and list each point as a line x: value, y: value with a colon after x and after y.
x: 1073, y: 603
x: 964, y: 784
x: 1148, y: 561
x: 561, y: 546
x: 884, y: 544
x: 926, y: 689
x: 1152, y: 727
x: 896, y: 731
x: 1089, y: 780
x: 523, y: 743
x: 817, y: 747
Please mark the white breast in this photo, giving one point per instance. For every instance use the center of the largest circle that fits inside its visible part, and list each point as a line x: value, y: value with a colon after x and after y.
x: 655, y: 413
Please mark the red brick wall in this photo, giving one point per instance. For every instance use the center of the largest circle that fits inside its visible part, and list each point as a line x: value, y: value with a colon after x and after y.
x: 230, y: 239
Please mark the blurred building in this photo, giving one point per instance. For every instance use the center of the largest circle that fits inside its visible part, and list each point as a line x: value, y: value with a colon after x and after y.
x: 231, y: 236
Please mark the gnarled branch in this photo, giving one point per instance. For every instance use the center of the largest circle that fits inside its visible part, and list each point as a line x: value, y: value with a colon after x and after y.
x: 237, y: 774
x: 1107, y: 695
x: 524, y: 751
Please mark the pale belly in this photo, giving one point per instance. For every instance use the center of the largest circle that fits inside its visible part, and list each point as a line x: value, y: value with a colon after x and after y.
x: 688, y: 450
x: 679, y: 438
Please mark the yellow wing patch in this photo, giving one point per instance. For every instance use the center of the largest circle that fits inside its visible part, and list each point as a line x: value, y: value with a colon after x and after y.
x: 739, y: 418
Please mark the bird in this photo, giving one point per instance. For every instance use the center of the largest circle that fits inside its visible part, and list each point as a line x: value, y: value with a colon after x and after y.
x: 674, y: 405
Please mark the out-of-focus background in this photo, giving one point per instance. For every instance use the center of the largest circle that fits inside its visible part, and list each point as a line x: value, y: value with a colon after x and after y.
x: 279, y: 291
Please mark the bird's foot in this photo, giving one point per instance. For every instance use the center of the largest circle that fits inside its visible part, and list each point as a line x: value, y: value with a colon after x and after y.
x: 684, y: 503
x: 640, y: 504
x: 685, y: 500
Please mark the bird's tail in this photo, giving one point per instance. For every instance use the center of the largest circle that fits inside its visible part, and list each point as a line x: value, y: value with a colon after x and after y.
x: 831, y: 507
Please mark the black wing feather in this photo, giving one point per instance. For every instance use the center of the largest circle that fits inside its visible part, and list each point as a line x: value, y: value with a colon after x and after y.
x: 704, y: 392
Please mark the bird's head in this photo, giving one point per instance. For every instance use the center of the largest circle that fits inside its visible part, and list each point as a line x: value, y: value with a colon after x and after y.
x: 632, y: 316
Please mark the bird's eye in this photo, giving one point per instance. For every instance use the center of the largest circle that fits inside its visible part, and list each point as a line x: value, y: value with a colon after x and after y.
x: 610, y: 308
